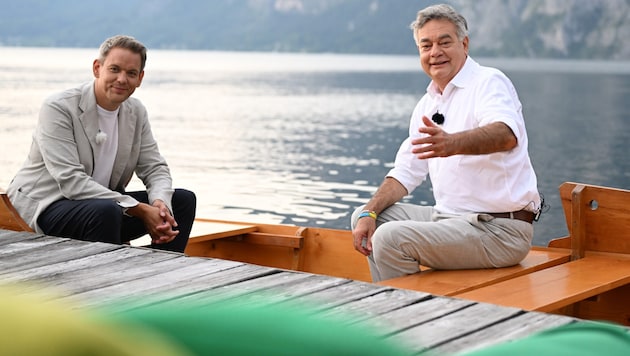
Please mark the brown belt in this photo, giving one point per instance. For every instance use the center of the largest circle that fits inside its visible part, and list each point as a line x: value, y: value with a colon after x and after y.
x: 522, y: 215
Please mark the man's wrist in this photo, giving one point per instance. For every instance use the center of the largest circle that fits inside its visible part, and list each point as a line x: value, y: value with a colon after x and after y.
x: 133, y: 211
x: 368, y: 213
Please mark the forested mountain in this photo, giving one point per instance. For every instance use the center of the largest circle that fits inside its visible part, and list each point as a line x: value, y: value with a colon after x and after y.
x: 589, y: 29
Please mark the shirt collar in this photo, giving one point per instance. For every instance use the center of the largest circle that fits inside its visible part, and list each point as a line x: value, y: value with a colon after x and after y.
x: 461, y: 79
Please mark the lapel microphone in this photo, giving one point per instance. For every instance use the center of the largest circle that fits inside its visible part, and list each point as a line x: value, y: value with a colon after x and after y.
x: 438, y: 118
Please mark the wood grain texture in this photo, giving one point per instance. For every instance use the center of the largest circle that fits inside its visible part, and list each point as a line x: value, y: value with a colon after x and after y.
x: 123, y: 278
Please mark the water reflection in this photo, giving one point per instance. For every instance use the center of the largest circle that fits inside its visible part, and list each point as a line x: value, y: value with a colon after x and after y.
x: 304, y: 139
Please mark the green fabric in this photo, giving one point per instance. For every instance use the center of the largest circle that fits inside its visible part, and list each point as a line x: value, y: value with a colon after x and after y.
x: 577, y: 339
x: 245, y: 328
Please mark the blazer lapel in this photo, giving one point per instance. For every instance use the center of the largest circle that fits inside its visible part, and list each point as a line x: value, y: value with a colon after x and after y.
x: 89, y: 118
x: 126, y: 133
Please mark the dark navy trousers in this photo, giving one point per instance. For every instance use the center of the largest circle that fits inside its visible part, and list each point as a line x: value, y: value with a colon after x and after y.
x: 103, y: 220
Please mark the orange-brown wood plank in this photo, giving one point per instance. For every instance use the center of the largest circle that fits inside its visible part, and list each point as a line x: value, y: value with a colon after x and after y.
x: 261, y: 238
x: 206, y: 230
x: 611, y: 306
x: 556, y: 287
x: 604, y: 217
x: 9, y: 217
x: 454, y: 282
x: 330, y: 252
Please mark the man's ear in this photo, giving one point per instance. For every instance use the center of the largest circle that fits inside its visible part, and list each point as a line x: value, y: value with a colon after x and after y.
x: 465, y: 43
x: 96, y: 66
x: 141, y: 77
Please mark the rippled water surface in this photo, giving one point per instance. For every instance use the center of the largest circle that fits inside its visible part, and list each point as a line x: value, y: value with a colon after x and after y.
x: 303, y: 139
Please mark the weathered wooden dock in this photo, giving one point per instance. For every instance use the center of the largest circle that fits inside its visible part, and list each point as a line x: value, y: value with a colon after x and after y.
x: 92, y: 274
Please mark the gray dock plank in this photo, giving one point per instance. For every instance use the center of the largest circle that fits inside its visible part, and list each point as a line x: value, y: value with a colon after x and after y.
x: 273, y: 288
x: 23, y: 247
x: 154, y: 284
x: 450, y: 326
x: 41, y: 273
x: 93, y: 275
x: 508, y: 330
x: 401, y: 319
x: 246, y: 288
x: 300, y: 291
x: 342, y: 294
x: 43, y: 252
x: 74, y: 282
x: 198, y: 291
x: 378, y: 304
x: 9, y: 237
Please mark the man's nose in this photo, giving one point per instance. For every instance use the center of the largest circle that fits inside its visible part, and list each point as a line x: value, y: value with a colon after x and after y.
x: 436, y: 50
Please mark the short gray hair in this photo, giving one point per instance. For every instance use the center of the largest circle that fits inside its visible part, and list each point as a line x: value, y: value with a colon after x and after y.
x: 126, y: 42
x: 440, y: 12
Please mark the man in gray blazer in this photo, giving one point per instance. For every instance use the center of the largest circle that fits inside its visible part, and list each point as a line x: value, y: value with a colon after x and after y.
x: 88, y: 143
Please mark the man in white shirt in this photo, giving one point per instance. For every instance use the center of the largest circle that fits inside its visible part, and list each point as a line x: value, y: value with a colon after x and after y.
x: 87, y: 145
x: 468, y: 134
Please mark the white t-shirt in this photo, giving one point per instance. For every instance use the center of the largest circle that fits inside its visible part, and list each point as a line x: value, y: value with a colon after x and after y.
x: 497, y: 182
x: 105, y: 151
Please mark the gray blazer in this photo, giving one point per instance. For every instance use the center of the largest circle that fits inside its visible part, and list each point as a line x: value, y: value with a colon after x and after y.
x: 61, y: 159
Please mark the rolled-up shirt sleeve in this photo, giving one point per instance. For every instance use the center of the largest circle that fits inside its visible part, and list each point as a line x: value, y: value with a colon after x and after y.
x: 408, y: 169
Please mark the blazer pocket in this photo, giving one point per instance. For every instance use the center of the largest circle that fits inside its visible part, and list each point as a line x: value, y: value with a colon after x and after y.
x: 24, y: 205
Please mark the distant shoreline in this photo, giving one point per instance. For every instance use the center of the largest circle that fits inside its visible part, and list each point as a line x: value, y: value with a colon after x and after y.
x: 163, y: 59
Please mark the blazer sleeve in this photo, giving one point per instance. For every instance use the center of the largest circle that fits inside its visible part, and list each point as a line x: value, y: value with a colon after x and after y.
x: 151, y: 166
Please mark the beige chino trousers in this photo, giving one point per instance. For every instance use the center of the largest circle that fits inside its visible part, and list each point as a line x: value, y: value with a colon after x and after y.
x: 408, y: 236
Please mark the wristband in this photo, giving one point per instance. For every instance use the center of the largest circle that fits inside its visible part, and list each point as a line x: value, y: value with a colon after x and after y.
x: 368, y: 213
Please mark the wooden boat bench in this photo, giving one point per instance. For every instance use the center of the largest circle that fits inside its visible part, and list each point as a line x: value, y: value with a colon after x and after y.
x: 209, y: 236
x: 554, y: 288
x: 455, y: 282
x: 211, y: 230
x: 591, y: 284
x: 596, y: 283
x: 312, y: 250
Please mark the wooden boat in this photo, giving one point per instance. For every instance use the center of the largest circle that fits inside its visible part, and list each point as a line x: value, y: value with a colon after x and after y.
x: 307, y: 249
x: 585, y: 274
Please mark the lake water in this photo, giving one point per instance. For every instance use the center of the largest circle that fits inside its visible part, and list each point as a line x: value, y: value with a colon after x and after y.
x: 304, y: 138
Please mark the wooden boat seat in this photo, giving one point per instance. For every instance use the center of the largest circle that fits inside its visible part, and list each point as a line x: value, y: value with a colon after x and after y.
x: 556, y: 287
x: 9, y: 217
x: 589, y: 284
x: 598, y: 219
x: 596, y: 283
x: 454, y: 282
x: 210, y: 230
x: 313, y: 250
x: 247, y: 243
x: 205, y: 230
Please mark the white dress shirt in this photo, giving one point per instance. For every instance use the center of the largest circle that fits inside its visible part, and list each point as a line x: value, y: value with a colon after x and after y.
x: 497, y: 182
